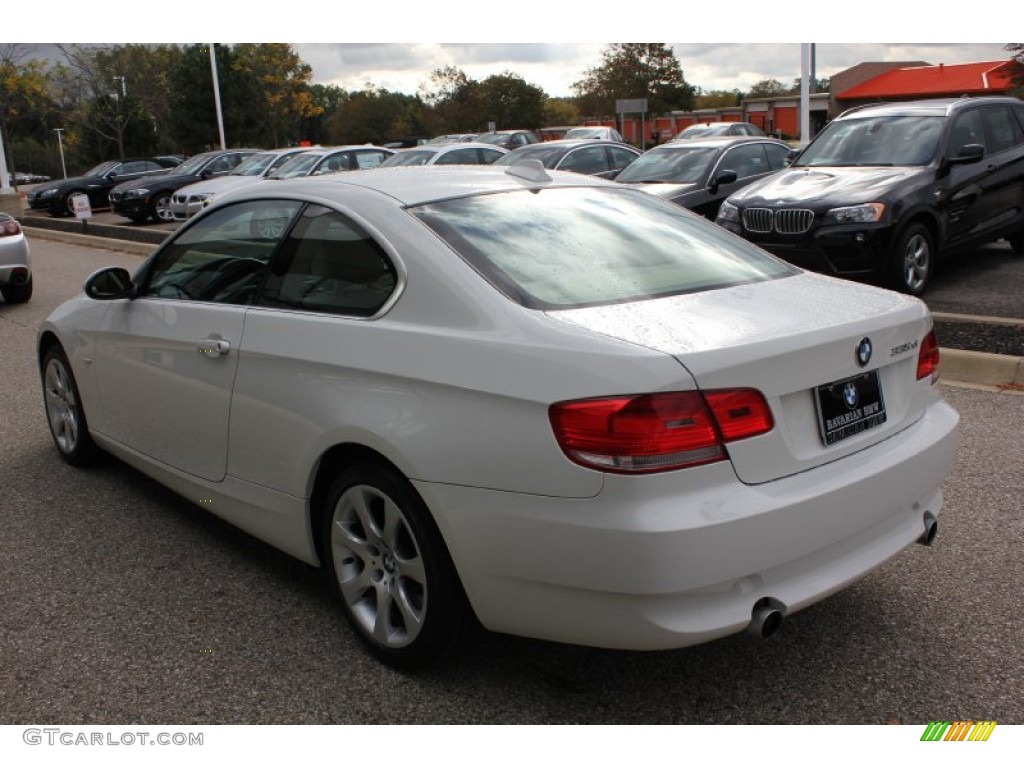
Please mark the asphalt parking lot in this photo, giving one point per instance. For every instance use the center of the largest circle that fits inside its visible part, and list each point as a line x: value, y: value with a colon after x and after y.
x: 127, y: 604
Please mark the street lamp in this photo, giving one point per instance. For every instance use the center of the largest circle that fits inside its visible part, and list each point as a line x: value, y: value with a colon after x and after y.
x: 60, y: 143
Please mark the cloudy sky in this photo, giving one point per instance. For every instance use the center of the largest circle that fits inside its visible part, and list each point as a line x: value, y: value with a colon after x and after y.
x: 485, y: 36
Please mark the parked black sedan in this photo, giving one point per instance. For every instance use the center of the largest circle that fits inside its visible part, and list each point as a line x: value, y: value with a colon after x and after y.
x: 701, y: 173
x: 96, y: 183
x: 151, y: 197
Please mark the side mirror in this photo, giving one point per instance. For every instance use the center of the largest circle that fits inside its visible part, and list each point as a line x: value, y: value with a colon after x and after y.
x: 969, y: 153
x: 109, y: 284
x: 725, y: 177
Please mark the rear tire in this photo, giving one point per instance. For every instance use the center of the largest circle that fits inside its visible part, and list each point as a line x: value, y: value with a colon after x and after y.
x: 391, y: 569
x: 64, y: 411
x: 17, y: 294
x: 912, y: 260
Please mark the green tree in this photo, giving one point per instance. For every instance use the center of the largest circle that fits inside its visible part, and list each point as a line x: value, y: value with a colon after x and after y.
x: 510, y: 102
x: 328, y: 98
x: 27, y: 111
x: 635, y: 71
x: 711, y: 99
x: 1017, y: 81
x: 374, y: 116
x: 281, y: 80
x: 451, y: 102
x: 561, y: 111
x: 769, y: 87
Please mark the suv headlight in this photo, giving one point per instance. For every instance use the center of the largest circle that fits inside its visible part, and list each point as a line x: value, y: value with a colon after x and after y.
x: 855, y: 214
x: 136, y: 193
x: 729, y: 212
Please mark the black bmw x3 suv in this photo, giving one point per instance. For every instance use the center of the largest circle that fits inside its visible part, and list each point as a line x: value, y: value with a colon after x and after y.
x: 884, y: 189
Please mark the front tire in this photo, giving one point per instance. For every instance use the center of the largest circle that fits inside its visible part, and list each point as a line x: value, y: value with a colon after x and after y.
x: 912, y: 260
x: 391, y: 569
x: 160, y: 208
x: 64, y: 412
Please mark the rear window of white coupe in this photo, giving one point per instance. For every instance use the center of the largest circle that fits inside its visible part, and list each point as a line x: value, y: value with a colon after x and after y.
x: 563, y: 248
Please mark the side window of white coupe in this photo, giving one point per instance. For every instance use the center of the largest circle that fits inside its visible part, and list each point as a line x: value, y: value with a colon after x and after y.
x: 224, y: 256
x: 333, y: 266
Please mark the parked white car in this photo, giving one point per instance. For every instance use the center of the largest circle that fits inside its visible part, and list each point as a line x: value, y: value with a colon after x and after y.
x: 593, y: 132
x: 563, y: 406
x: 191, y: 199
x: 455, y: 153
x: 15, y: 262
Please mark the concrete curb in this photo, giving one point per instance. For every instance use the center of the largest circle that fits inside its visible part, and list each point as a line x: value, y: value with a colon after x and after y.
x: 959, y: 366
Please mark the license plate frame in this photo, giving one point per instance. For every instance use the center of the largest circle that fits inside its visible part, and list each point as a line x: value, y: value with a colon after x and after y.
x: 849, y: 406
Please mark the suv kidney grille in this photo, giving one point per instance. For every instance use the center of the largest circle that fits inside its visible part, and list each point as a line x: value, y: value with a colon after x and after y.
x: 787, y: 221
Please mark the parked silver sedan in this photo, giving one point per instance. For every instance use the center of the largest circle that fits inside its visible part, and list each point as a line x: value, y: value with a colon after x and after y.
x: 15, y: 262
x: 552, y: 404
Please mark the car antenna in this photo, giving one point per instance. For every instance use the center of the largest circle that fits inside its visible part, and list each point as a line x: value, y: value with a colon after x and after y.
x: 531, y: 170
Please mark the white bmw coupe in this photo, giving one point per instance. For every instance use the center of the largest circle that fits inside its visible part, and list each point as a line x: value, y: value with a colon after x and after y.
x: 550, y: 404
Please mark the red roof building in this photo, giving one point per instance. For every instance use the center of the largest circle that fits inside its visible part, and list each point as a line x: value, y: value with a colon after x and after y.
x: 992, y: 78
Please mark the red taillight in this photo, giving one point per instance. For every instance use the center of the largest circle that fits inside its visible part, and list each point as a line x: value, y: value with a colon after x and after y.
x: 9, y: 227
x: 928, y: 358
x: 658, y: 432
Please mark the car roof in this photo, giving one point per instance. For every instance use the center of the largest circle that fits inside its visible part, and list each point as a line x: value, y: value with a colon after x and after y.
x: 343, y: 147
x: 573, y: 143
x: 937, y: 107
x: 717, y: 141
x: 415, y: 185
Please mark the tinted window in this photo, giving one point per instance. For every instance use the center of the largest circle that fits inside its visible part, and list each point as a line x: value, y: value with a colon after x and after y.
x: 621, y: 157
x: 587, y: 160
x: 569, y: 247
x: 778, y: 156
x: 223, y: 257
x: 334, y: 267
x: 1002, y: 132
x: 967, y: 129
x: 746, y: 160
x: 459, y: 157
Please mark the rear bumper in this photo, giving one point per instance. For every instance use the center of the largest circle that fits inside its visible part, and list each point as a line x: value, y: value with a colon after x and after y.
x: 672, y: 560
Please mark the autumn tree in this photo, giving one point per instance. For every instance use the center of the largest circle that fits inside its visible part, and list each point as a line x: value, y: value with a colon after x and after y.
x: 634, y: 71
x: 27, y: 111
x: 329, y: 98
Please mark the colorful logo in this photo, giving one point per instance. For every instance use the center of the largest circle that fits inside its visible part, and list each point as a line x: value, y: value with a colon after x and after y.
x: 959, y: 730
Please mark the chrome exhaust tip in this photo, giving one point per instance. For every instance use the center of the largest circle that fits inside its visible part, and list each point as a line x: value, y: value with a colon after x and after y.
x: 931, y: 530
x: 767, y: 618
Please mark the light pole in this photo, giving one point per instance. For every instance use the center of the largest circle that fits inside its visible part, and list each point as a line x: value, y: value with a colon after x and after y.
x: 60, y: 143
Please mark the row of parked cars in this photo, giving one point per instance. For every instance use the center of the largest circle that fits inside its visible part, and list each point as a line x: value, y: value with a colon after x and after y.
x: 545, y: 403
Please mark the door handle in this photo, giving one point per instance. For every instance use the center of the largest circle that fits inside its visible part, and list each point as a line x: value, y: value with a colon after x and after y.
x: 214, y: 347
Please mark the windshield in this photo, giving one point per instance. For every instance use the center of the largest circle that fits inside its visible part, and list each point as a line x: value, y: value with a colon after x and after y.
x: 584, y: 133
x: 548, y: 155
x: 102, y: 169
x: 409, y: 157
x: 695, y: 131
x: 567, y: 247
x: 679, y: 165
x: 296, y: 166
x: 898, y: 140
x: 192, y: 166
x: 254, y: 165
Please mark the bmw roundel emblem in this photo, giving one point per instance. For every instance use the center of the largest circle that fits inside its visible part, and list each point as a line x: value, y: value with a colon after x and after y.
x: 864, y: 351
x: 850, y: 396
